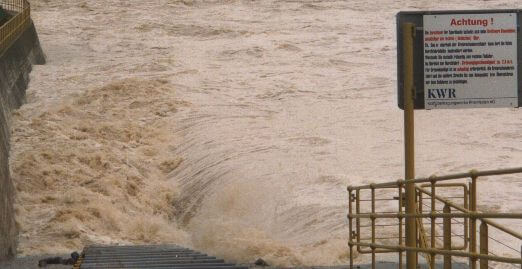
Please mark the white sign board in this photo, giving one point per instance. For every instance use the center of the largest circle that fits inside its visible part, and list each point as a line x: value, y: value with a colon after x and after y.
x: 470, y: 60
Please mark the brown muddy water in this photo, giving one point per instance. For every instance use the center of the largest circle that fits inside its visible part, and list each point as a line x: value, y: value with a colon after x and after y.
x: 229, y: 126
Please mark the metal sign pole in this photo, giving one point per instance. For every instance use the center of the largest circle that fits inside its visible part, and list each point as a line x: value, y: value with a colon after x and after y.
x: 408, y: 32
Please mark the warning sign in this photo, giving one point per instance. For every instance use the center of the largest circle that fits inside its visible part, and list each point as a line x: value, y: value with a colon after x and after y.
x: 470, y: 60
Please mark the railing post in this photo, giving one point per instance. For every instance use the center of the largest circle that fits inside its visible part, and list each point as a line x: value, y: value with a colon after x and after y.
x: 484, y: 244
x: 373, y: 227
x: 473, y: 220
x: 400, y: 223
x: 408, y: 32
x: 418, y: 199
x: 433, y: 219
x: 358, y: 220
x: 446, y: 224
x: 350, y: 225
x: 466, y: 220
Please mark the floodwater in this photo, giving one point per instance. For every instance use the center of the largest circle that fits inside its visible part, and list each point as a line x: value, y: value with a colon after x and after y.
x: 231, y: 126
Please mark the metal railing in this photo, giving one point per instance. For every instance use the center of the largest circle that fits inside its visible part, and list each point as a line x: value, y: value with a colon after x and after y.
x: 14, y: 27
x: 451, y: 214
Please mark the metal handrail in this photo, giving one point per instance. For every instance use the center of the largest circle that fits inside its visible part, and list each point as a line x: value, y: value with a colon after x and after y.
x: 470, y: 174
x: 447, y: 252
x: 468, y: 212
x: 477, y: 215
x: 489, y: 222
x: 15, y: 26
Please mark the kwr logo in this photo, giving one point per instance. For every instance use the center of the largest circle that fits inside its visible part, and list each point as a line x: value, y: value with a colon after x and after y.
x: 441, y: 93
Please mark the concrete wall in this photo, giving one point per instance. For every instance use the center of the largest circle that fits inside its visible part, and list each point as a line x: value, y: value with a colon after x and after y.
x: 15, y: 65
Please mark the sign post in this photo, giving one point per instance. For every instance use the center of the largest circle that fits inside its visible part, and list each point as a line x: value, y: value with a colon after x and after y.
x: 408, y: 36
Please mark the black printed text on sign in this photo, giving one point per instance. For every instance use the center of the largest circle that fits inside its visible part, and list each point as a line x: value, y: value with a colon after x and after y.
x: 470, y: 60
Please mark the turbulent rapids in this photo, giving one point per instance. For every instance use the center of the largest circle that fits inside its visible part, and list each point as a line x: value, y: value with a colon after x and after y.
x: 232, y: 127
